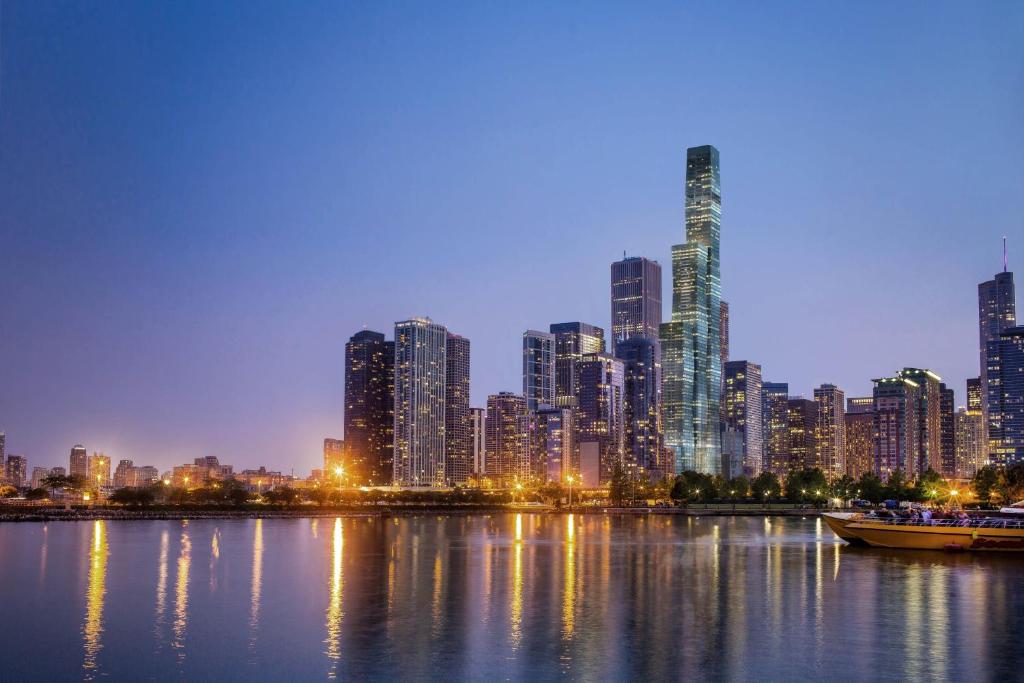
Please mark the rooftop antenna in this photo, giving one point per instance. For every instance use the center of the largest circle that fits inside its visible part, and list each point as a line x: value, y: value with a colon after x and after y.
x: 1004, y: 253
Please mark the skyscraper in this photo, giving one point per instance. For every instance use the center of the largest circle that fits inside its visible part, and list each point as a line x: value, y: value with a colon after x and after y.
x: 743, y: 414
x: 929, y: 420
x: 968, y: 443
x: 508, y: 455
x: 369, y: 408
x: 551, y: 447
x: 1005, y: 376
x: 601, y: 406
x: 775, y: 427
x: 830, y: 432
x: 896, y: 432
x: 79, y: 465
x: 124, y: 468
x: 997, y: 311
x: 478, y: 419
x: 723, y: 331
x: 3, y: 446
x: 803, y: 423
x: 16, y: 470
x: 572, y: 340
x: 636, y: 299
x: 538, y: 369
x: 974, y: 393
x: 99, y: 470
x: 420, y: 398
x: 859, y: 427
x: 947, y: 430
x: 458, y: 430
x: 334, y: 460
x: 691, y: 344
x: 641, y: 361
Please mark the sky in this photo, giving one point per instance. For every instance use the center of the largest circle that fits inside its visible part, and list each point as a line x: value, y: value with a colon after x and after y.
x: 200, y: 202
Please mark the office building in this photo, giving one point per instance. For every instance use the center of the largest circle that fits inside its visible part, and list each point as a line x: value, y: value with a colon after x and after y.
x: 121, y: 473
x: 641, y: 365
x: 538, y: 369
x: 636, y: 300
x: 478, y: 420
x: 947, y: 430
x: 974, y: 401
x: 860, y: 447
x: 1005, y: 377
x: 830, y: 434
x: 334, y: 460
x: 3, y: 447
x: 897, y: 431
x: 601, y: 409
x: 723, y: 334
x: 551, y: 444
x: 997, y: 311
x: 969, y: 434
x: 691, y: 341
x: 802, y: 427
x: 775, y: 427
x: 458, y: 428
x: 420, y: 398
x: 508, y: 446
x: 572, y: 341
x: 79, y: 465
x: 38, y: 475
x: 99, y: 470
x: 743, y: 418
x: 929, y: 420
x: 16, y: 470
x: 369, y: 408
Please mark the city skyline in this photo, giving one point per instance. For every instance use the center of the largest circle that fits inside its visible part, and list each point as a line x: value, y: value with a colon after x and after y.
x: 226, y: 344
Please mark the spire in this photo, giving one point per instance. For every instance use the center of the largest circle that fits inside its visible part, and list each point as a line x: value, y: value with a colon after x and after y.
x: 1004, y: 253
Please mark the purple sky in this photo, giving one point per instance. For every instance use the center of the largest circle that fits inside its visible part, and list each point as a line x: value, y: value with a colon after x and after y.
x: 200, y: 204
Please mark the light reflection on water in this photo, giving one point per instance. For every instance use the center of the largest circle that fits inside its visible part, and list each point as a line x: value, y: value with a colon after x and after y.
x: 508, y: 596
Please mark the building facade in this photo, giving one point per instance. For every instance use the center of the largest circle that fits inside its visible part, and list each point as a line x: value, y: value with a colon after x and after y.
x: 79, y: 464
x: 334, y: 461
x: 369, y: 408
x: 508, y: 444
x: 802, y: 427
x: 997, y: 311
x: 930, y: 404
x: 458, y: 426
x: 478, y: 421
x: 743, y: 415
x: 99, y: 470
x: 691, y: 341
x: 16, y: 470
x: 572, y: 341
x: 860, y: 449
x: 551, y: 444
x: 420, y: 398
x: 641, y: 365
x: 636, y: 300
x: 538, y: 369
x: 775, y: 427
x: 969, y: 449
x: 601, y: 409
x: 830, y: 431
x: 896, y: 432
x: 1005, y: 377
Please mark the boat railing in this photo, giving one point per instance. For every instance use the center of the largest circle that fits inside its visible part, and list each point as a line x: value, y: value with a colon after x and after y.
x: 970, y: 523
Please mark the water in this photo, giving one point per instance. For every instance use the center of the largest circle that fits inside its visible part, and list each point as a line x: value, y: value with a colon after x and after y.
x: 501, y: 597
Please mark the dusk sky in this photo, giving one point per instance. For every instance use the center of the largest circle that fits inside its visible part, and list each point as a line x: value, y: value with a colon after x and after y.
x: 200, y: 203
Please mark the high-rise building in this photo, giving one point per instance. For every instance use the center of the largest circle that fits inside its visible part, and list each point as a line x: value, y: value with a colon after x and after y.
x: 458, y: 428
x: 997, y: 311
x: 420, y: 381
x: 38, y: 475
x: 743, y: 415
x: 538, y: 369
x: 79, y: 466
x: 802, y: 426
x: 929, y: 421
x: 969, y: 450
x: 723, y: 332
x: 551, y: 447
x: 334, y: 461
x: 16, y: 470
x: 601, y: 409
x: 897, y: 431
x: 974, y: 401
x: 860, y: 404
x: 641, y: 363
x: 691, y: 341
x: 636, y: 299
x: 3, y: 447
x: 572, y: 341
x: 947, y: 430
x: 1005, y: 377
x: 99, y: 470
x: 478, y: 419
x: 830, y: 432
x: 860, y: 446
x: 775, y: 427
x: 124, y: 467
x: 369, y: 408
x: 508, y: 446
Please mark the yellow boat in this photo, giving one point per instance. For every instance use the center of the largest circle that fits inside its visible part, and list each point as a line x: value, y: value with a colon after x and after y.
x: 976, y: 534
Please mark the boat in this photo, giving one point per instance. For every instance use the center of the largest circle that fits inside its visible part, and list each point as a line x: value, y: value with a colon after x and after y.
x: 1015, y: 509
x: 977, y: 533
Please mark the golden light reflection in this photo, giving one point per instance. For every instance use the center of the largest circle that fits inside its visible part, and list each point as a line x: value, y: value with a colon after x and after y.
x: 516, y: 606
x: 334, y: 613
x: 42, y: 555
x: 96, y: 589
x: 257, y: 582
x: 161, y: 583
x: 214, y: 557
x: 569, y: 590
x: 435, y: 601
x: 181, y: 591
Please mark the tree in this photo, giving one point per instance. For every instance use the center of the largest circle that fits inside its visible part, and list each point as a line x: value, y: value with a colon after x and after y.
x: 765, y: 485
x: 843, y: 487
x: 897, y: 487
x: 984, y: 483
x: 133, y: 496
x: 36, y: 494
x: 870, y: 488
x: 1012, y: 483
x: 7, y: 491
x: 282, y: 495
x: 738, y: 487
x: 618, y: 488
x: 679, y: 490
x: 806, y: 484
x: 929, y: 485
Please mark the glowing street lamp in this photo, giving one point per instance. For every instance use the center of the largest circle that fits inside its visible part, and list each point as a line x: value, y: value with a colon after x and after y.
x: 569, y: 479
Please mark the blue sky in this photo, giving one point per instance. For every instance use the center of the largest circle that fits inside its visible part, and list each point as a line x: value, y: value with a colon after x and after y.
x: 201, y: 202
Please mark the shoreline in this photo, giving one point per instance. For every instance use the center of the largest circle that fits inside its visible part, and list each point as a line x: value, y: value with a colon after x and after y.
x: 55, y: 514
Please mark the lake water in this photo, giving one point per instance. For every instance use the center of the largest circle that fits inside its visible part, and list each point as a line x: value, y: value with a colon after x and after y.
x: 496, y: 597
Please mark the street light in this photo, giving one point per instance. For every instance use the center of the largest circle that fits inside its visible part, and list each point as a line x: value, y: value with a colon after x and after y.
x: 569, y: 479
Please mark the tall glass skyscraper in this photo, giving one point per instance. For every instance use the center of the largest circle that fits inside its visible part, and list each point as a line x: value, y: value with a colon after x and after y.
x: 996, y: 312
x: 538, y: 369
x: 1005, y: 374
x: 641, y: 359
x: 572, y: 341
x: 420, y: 392
x: 691, y: 344
x: 636, y: 299
x: 458, y: 427
x: 369, y: 408
x: 743, y: 415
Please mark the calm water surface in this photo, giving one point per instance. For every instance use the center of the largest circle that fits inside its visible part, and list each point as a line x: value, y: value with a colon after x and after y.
x: 501, y: 597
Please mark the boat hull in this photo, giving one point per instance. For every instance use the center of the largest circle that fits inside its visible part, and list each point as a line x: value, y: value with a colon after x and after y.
x: 881, y: 535
x: 839, y: 522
